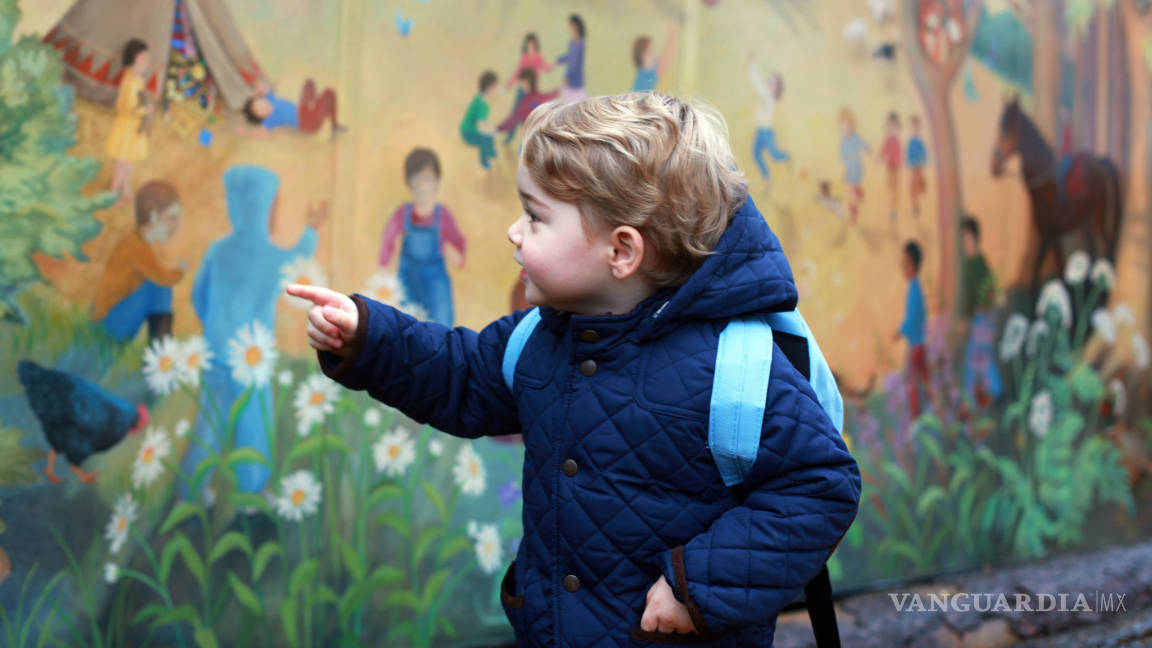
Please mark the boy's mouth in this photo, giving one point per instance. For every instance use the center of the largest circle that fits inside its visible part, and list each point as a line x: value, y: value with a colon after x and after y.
x: 523, y: 274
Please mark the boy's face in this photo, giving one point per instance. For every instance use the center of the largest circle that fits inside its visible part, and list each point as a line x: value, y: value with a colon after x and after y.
x: 649, y: 57
x: 261, y: 107
x: 163, y: 225
x: 564, y: 266
x: 907, y: 266
x: 424, y: 184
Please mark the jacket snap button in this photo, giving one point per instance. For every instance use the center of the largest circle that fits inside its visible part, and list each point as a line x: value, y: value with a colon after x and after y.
x: 589, y: 336
x: 570, y: 467
x: 571, y: 582
x: 588, y: 367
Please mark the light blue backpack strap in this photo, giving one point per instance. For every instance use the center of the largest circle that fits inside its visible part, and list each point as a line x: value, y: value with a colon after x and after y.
x: 516, y: 343
x: 820, y: 374
x: 739, y: 390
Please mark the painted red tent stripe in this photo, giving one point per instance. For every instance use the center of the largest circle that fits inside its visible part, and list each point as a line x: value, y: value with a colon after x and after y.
x: 102, y: 74
x: 152, y: 87
x: 85, y: 68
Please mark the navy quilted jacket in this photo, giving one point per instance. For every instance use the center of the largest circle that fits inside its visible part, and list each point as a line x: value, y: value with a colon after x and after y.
x: 619, y: 486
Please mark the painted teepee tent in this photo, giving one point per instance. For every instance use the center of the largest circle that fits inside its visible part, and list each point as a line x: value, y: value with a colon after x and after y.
x: 93, y: 33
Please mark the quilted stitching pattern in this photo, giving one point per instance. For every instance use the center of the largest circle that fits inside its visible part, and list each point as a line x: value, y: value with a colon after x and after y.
x: 637, y: 429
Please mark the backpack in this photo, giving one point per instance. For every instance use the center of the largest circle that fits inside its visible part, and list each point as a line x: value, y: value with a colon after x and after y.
x: 736, y: 410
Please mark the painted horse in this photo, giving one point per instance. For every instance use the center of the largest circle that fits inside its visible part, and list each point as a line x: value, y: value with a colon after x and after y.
x: 1079, y: 192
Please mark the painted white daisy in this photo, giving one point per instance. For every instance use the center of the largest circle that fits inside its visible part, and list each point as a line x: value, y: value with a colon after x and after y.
x: 162, y: 365
x: 1102, y: 324
x: 1076, y: 270
x: 1140, y: 351
x: 435, y: 447
x: 303, y: 270
x: 469, y: 471
x: 1102, y: 273
x: 252, y: 354
x: 372, y: 417
x: 1054, y: 299
x: 489, y: 552
x: 181, y: 429
x: 1119, y: 396
x: 111, y: 573
x: 124, y: 513
x: 1122, y: 315
x: 1015, y: 330
x: 148, y: 465
x: 195, y: 358
x: 299, y: 496
x: 394, y: 452
x: 315, y: 400
x: 284, y: 378
x: 385, y: 287
x: 414, y: 309
x: 1036, y: 334
x: 1040, y: 413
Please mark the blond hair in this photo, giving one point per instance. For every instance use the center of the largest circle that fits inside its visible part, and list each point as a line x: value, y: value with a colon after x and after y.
x: 646, y: 160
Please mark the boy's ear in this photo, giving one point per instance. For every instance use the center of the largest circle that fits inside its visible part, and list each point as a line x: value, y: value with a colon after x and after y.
x: 627, y: 251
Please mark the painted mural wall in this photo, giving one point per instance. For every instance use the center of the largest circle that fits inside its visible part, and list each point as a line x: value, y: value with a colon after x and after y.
x: 961, y: 187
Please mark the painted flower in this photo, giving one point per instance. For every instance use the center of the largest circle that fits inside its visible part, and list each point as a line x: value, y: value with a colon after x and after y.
x: 162, y: 365
x: 194, y: 358
x: 1102, y: 273
x: 124, y: 513
x: 111, y: 573
x: 435, y: 447
x: 1119, y: 396
x: 469, y: 471
x: 1040, y: 413
x: 1122, y: 315
x: 303, y: 270
x: 1076, y: 270
x: 1054, y: 299
x: 252, y: 354
x: 1015, y: 330
x: 394, y: 452
x: 181, y: 429
x: 385, y: 287
x: 510, y: 493
x: 148, y: 465
x: 1036, y: 334
x: 315, y: 400
x: 299, y: 496
x: 1140, y: 351
x: 489, y: 553
x: 284, y: 378
x: 414, y: 309
x: 372, y: 417
x: 1102, y: 324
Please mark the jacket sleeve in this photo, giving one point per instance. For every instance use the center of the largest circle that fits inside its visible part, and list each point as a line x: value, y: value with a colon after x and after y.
x: 796, y: 503
x: 450, y: 378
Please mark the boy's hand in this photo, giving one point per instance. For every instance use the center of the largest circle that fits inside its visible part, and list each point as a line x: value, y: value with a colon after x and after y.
x: 317, y: 214
x: 663, y: 613
x: 332, y: 321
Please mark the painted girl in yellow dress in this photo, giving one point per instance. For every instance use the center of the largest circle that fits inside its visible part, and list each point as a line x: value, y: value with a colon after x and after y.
x: 128, y: 141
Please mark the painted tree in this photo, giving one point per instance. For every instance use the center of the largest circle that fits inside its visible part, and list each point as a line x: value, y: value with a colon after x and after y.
x: 1132, y: 262
x: 42, y: 207
x: 1085, y: 19
x: 938, y: 34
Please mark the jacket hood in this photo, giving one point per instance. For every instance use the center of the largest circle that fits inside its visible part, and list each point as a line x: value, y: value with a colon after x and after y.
x: 250, y: 192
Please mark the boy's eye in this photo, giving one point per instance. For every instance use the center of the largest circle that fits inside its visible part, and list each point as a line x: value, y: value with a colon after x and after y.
x: 531, y: 216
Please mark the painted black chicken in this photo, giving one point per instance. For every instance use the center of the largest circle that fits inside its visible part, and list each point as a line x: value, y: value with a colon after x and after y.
x: 78, y: 417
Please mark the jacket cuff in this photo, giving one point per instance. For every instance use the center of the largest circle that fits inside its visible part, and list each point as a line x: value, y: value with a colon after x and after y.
x: 336, y: 367
x: 672, y: 564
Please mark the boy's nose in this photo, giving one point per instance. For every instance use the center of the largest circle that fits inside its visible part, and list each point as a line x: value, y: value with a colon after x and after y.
x: 514, y: 233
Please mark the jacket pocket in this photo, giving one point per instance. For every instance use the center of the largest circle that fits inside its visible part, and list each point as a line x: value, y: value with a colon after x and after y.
x: 671, y: 638
x: 508, y: 588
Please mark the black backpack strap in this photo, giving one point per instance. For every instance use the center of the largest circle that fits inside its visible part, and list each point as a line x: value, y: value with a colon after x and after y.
x: 818, y: 591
